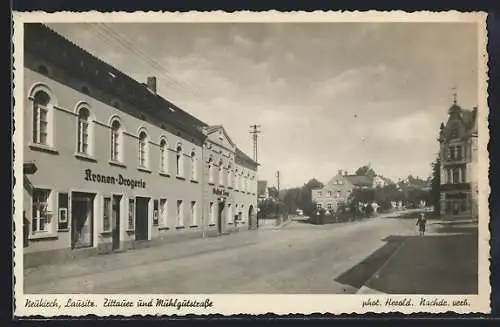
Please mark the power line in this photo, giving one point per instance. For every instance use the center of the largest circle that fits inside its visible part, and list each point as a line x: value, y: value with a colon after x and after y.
x: 107, y: 37
x: 130, y: 42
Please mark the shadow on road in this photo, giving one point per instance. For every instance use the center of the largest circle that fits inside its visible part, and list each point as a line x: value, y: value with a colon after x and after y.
x: 443, y: 262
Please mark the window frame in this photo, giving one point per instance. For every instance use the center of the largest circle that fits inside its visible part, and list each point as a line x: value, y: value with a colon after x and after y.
x: 143, y: 151
x: 36, y: 216
x: 163, y: 155
x: 116, y: 140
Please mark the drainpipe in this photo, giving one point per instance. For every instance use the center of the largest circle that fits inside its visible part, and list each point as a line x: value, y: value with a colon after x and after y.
x: 203, y: 229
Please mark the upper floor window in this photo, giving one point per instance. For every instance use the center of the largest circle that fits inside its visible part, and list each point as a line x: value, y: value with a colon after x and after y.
x: 210, y: 170
x: 116, y: 135
x: 163, y: 156
x: 319, y: 193
x: 178, y: 161
x: 455, y: 152
x: 41, y: 118
x: 83, y: 130
x: 229, y: 176
x: 193, y: 166
x: 143, y: 149
x: 221, y: 173
x: 330, y: 194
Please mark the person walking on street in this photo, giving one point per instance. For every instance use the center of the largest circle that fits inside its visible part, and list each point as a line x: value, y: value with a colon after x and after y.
x: 421, y: 223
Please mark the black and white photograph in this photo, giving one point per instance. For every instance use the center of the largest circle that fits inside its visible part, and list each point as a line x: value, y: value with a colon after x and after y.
x: 251, y: 158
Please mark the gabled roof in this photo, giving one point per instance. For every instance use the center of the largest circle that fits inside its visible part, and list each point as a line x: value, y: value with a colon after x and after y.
x: 214, y: 128
x: 242, y: 159
x: 359, y: 180
x: 47, y: 44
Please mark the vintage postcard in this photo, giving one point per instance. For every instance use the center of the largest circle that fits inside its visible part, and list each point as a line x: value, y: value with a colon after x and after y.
x: 250, y: 163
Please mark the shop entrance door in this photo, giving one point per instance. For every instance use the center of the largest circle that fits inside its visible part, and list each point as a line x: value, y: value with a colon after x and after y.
x: 116, y: 221
x: 141, y: 218
x: 82, y: 220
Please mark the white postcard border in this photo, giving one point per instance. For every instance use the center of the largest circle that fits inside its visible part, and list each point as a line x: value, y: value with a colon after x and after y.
x: 252, y: 304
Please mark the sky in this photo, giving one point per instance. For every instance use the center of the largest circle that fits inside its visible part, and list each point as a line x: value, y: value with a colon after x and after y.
x: 328, y: 96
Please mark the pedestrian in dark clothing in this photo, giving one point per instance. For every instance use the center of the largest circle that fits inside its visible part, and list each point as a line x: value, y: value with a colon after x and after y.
x: 421, y: 223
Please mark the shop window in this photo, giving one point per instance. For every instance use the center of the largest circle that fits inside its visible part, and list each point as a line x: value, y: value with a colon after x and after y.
x: 163, y: 212
x: 212, y: 212
x: 163, y: 156
x: 41, y: 214
x: 83, y: 131
x: 156, y: 213
x: 193, y: 213
x: 229, y: 213
x: 106, y: 216
x: 180, y: 219
x: 41, y: 118
x: 63, y: 211
x: 131, y: 214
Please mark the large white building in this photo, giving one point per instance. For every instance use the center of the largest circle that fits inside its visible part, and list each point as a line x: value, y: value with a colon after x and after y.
x: 110, y: 165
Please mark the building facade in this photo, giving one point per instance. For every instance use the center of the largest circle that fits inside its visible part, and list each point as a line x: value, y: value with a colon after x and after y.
x: 339, y: 190
x: 110, y: 165
x: 458, y: 157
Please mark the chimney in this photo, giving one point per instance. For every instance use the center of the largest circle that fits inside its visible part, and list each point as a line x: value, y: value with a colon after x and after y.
x: 340, y: 172
x: 346, y: 173
x: 474, y: 112
x: 151, y: 83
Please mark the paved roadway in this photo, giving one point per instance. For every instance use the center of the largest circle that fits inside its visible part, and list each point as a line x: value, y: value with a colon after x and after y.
x: 299, y: 258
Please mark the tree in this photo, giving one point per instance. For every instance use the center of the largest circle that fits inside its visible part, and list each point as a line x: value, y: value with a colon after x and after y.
x: 366, y: 170
x: 273, y: 192
x: 435, y: 184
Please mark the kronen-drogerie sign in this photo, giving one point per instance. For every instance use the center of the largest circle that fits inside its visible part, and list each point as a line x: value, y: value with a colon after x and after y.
x: 120, y: 180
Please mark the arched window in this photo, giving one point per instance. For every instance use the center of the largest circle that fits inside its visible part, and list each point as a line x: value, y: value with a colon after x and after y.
x: 115, y: 140
x: 193, y: 165
x: 143, y: 149
x: 83, y: 130
x: 179, y: 160
x: 221, y: 173
x: 163, y: 156
x: 210, y: 170
x: 41, y: 117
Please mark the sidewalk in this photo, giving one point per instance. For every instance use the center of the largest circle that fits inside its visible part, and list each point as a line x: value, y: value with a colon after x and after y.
x: 123, y: 260
x: 444, y: 261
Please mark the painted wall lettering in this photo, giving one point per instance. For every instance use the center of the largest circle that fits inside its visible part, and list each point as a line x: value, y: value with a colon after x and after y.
x: 120, y: 180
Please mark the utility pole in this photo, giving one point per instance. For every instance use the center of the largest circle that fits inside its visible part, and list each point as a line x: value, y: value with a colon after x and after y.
x: 254, y: 130
x: 278, y: 181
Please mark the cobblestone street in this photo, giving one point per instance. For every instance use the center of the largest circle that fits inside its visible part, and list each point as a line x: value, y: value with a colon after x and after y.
x: 299, y: 258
